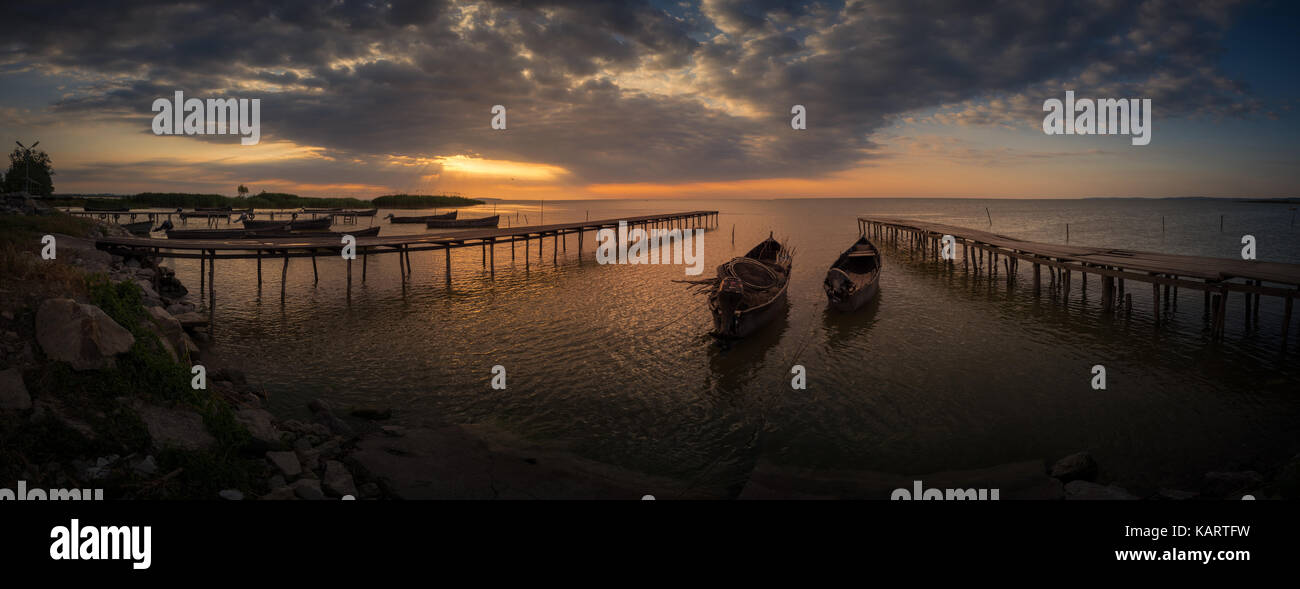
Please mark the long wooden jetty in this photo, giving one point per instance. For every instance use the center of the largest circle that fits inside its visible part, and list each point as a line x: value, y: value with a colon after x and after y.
x: 208, y: 251
x: 1217, y: 278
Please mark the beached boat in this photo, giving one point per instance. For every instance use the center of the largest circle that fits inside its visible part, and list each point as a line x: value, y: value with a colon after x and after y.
x: 462, y: 223
x: 205, y: 233
x: 104, y: 208
x: 854, y: 278
x: 750, y: 290
x: 293, y: 225
x: 421, y: 219
x: 368, y: 232
x: 140, y: 228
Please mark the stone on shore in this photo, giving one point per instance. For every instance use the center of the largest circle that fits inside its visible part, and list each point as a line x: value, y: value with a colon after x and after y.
x: 338, y: 481
x: 169, y: 332
x: 258, y: 423
x: 180, y: 428
x: 1228, y: 484
x: 13, y: 393
x: 286, y: 462
x: 81, y: 335
x: 308, y: 489
x: 1075, y: 467
x: 1089, y: 491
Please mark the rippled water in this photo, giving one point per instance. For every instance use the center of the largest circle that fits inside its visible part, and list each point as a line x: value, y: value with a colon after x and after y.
x: 944, y: 371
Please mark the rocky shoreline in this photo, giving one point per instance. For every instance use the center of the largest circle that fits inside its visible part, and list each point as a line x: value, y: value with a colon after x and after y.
x: 50, y: 339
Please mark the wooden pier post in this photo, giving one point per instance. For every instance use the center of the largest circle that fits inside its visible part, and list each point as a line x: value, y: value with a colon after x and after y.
x: 212, y: 281
x: 492, y: 253
x: 259, y: 270
x: 349, y: 278
x: 284, y: 273
x: 447, y: 252
x: 364, y: 258
x: 406, y: 253
x: 1038, y: 278
x: 315, y: 276
x: 1286, y: 319
x: 203, y: 270
x: 1107, y: 293
x: 555, y: 247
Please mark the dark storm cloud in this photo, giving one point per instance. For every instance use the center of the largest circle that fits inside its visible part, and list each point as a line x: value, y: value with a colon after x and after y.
x: 418, y: 78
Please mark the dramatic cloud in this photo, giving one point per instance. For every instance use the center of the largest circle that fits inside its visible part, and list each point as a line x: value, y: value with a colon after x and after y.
x: 621, y: 92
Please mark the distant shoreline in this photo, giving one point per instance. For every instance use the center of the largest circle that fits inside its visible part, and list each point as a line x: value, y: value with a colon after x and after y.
x: 265, y: 200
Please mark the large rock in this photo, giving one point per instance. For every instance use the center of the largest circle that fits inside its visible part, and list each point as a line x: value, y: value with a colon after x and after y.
x: 338, y: 481
x: 286, y: 462
x: 1075, y: 467
x: 180, y: 428
x: 1228, y: 484
x: 79, y: 334
x: 13, y: 393
x: 169, y: 332
x: 1084, y: 490
x: 258, y: 423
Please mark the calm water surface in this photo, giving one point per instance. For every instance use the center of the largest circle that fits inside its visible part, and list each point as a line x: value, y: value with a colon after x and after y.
x: 944, y: 371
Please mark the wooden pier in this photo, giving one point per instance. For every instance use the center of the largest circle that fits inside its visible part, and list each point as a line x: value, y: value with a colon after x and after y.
x: 209, y: 251
x: 981, y: 252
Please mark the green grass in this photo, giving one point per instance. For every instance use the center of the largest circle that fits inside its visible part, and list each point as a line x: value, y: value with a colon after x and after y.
x: 145, y: 372
x: 20, y: 249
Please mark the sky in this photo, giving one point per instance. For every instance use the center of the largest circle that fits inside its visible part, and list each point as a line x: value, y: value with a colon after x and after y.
x: 650, y: 99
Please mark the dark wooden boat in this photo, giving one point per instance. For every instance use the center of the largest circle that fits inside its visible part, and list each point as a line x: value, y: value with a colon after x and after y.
x: 141, y: 228
x: 422, y: 218
x: 368, y: 232
x: 854, y: 278
x: 212, y: 209
x: 206, y: 233
x: 750, y: 290
x: 362, y: 213
x: 294, y: 225
x: 461, y: 223
x: 104, y: 208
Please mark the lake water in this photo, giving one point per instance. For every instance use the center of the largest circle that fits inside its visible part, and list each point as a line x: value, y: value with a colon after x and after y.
x: 945, y: 371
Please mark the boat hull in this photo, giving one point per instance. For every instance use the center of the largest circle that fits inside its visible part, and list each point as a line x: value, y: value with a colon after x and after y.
x: 450, y: 224
x: 749, y: 321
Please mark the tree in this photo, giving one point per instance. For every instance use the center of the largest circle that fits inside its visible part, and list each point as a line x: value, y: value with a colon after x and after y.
x: 30, y: 170
x: 243, y: 191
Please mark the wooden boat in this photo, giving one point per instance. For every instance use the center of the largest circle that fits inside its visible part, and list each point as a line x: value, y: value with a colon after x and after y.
x: 461, y: 223
x: 293, y: 225
x: 368, y: 232
x: 362, y: 213
x: 206, y: 233
x: 104, y: 208
x: 750, y: 290
x: 335, y: 210
x: 854, y: 278
x: 421, y: 219
x: 212, y: 209
x: 273, y: 233
x: 141, y: 228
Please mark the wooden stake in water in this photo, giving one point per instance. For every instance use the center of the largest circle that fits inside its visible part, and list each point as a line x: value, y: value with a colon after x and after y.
x: 1067, y: 233
x: 986, y: 212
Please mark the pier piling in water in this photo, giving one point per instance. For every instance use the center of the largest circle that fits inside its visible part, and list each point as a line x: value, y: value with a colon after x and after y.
x: 1215, y: 277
